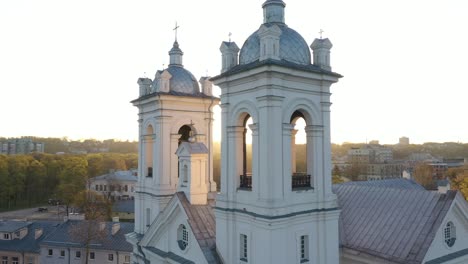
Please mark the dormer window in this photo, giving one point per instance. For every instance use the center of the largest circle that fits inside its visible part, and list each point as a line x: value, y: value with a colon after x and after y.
x: 6, y: 236
x: 450, y: 234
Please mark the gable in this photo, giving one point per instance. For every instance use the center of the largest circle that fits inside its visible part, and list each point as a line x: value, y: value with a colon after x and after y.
x: 162, y: 240
x: 439, y: 251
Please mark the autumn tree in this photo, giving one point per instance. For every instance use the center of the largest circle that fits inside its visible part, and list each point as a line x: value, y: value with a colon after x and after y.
x: 97, y: 210
x: 423, y: 175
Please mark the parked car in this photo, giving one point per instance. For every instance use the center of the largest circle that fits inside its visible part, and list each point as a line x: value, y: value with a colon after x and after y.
x: 42, y: 209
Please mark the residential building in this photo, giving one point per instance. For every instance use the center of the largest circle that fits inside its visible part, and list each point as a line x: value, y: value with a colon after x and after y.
x: 16, y: 146
x: 20, y: 240
x: 64, y: 246
x: 116, y: 185
x: 124, y: 210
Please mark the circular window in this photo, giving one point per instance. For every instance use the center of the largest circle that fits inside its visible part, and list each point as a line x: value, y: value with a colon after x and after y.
x: 450, y: 234
x: 182, y: 237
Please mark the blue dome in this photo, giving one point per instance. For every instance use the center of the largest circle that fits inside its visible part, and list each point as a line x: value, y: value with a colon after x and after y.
x: 182, y: 81
x: 293, y: 47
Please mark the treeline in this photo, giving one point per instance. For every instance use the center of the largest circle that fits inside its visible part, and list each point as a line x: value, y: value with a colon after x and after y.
x: 29, y: 180
x: 446, y: 150
x: 58, y: 145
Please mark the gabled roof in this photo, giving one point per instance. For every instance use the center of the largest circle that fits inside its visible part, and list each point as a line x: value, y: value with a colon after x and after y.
x: 400, y: 183
x: 12, y: 226
x: 62, y: 237
x: 396, y: 222
x: 117, y: 176
x: 203, y: 224
x: 29, y: 243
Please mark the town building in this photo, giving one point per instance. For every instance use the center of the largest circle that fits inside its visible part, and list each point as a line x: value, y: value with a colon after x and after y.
x: 116, y: 185
x: 64, y: 246
x: 17, y: 146
x: 404, y: 141
x: 20, y: 240
x: 270, y: 213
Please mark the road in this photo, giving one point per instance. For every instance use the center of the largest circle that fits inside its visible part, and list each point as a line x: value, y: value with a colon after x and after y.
x: 52, y: 213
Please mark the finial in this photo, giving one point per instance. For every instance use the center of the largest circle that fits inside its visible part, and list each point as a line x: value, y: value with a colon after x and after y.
x: 144, y: 75
x: 175, y: 29
x: 164, y: 65
x: 206, y: 73
x: 321, y: 32
x: 230, y: 34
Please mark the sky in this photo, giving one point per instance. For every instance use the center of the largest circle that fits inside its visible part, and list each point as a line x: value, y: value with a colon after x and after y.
x: 70, y: 68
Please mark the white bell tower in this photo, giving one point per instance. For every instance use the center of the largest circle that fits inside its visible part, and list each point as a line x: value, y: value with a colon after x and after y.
x: 171, y: 109
x: 268, y: 211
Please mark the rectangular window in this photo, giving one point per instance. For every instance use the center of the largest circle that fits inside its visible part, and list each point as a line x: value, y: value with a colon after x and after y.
x: 110, y: 257
x: 4, y: 260
x: 97, y: 187
x: 304, y: 249
x: 14, y: 260
x: 243, y: 248
x: 30, y: 260
x: 92, y: 255
x: 78, y: 254
x: 127, y: 260
x: 50, y: 253
x: 6, y: 236
x: 62, y: 253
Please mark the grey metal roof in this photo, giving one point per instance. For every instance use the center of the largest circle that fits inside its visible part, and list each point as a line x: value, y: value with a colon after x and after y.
x: 293, y: 47
x: 29, y: 243
x: 182, y: 81
x: 62, y: 237
x: 203, y: 224
x: 170, y: 255
x: 397, y: 224
x: 399, y: 183
x: 12, y: 226
x: 117, y: 176
x: 199, y: 95
x: 127, y: 206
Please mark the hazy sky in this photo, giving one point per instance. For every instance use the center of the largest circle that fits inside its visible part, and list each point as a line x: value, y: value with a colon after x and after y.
x: 69, y: 68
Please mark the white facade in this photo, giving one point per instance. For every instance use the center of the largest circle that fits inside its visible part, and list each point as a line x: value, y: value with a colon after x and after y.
x: 171, y: 108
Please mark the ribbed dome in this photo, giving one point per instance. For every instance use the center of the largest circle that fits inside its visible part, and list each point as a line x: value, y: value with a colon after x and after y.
x: 293, y: 47
x: 182, y: 81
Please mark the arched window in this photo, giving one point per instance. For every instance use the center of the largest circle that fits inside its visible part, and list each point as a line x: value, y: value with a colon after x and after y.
x: 182, y: 237
x: 149, y: 151
x: 185, y: 133
x: 450, y: 234
x: 246, y: 176
x: 301, y: 177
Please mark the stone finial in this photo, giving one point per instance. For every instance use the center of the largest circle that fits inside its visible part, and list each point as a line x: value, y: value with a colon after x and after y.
x: 145, y: 86
x: 273, y: 11
x: 321, y: 49
x: 269, y: 42
x: 162, y: 80
x: 206, y: 85
x: 175, y: 55
x: 230, y: 55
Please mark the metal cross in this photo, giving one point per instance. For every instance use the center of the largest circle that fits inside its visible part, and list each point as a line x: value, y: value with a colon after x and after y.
x: 164, y: 65
x: 175, y: 29
x: 321, y: 32
x: 230, y: 34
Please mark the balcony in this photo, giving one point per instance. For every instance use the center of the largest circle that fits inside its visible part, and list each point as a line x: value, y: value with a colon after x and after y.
x: 246, y: 182
x: 300, y: 181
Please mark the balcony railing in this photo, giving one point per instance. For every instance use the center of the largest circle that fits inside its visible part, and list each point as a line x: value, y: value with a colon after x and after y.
x: 246, y: 182
x: 300, y: 180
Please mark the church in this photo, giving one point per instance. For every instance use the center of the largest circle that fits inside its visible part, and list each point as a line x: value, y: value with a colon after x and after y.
x: 267, y: 209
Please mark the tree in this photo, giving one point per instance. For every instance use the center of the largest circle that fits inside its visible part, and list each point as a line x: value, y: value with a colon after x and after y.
x: 97, y: 210
x: 423, y: 175
x: 73, y: 178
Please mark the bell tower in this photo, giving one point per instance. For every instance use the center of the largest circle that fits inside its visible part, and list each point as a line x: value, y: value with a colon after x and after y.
x: 271, y: 208
x: 172, y: 108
